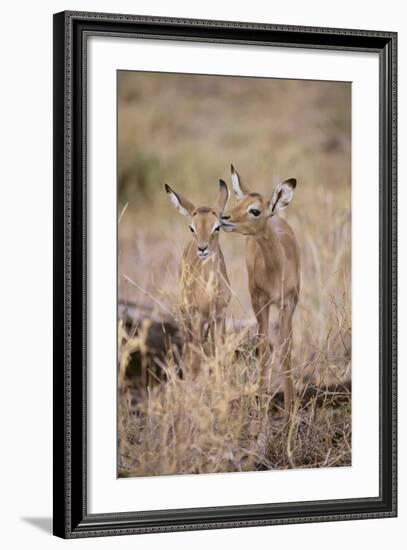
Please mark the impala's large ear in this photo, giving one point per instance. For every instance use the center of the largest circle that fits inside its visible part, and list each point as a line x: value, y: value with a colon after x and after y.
x: 223, y: 196
x: 238, y: 186
x: 184, y: 206
x: 282, y: 196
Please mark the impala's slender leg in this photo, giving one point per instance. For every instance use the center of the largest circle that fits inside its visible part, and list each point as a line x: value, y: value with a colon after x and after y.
x: 214, y: 336
x: 286, y: 315
x: 217, y: 330
x: 221, y: 328
x: 193, y: 328
x: 262, y: 309
x: 200, y: 335
x: 217, y: 339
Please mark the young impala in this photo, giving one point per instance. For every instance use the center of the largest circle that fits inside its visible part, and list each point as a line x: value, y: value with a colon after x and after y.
x: 273, y: 265
x: 204, y: 284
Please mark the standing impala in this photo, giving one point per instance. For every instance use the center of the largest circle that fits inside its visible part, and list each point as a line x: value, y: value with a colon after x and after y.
x: 204, y: 283
x: 273, y: 265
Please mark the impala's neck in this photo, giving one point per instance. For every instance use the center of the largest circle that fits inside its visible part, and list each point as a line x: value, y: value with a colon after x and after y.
x: 214, y: 258
x: 216, y: 248
x: 270, y: 246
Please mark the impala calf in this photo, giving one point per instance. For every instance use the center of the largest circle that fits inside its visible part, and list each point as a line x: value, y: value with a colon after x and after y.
x: 273, y: 265
x: 204, y: 284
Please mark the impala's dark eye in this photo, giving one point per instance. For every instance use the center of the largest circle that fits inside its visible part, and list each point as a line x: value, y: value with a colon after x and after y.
x: 192, y: 229
x: 255, y: 212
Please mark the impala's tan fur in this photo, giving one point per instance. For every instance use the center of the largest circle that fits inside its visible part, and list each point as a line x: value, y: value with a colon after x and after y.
x: 273, y: 265
x: 204, y: 284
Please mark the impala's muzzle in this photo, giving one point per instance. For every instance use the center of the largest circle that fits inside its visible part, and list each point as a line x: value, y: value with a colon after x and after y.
x: 226, y: 224
x: 203, y: 251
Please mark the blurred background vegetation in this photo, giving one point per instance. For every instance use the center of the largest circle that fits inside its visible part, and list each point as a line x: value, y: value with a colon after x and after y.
x: 187, y: 129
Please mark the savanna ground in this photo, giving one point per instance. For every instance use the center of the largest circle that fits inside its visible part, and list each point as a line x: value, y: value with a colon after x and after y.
x: 185, y: 131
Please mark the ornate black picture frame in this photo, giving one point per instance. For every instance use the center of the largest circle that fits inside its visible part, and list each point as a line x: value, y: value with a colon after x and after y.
x: 71, y: 517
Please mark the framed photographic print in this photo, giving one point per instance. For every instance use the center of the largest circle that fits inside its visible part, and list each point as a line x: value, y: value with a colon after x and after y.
x: 224, y: 274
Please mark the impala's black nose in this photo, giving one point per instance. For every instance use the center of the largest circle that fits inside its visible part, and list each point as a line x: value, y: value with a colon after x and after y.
x: 202, y: 248
x: 225, y: 217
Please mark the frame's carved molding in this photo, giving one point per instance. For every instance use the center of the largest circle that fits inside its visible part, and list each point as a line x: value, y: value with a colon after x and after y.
x: 70, y: 517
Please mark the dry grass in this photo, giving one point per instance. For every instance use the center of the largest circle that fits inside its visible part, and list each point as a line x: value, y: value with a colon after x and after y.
x: 186, y: 131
